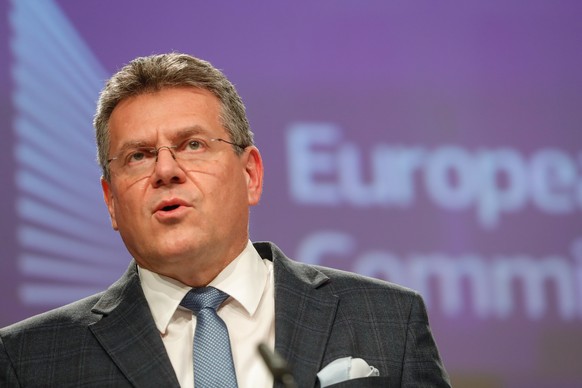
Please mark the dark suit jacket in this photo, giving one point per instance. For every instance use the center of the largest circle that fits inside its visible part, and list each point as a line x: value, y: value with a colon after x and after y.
x: 321, y: 314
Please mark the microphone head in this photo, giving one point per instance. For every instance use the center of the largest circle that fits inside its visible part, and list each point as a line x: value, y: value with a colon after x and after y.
x: 277, y: 365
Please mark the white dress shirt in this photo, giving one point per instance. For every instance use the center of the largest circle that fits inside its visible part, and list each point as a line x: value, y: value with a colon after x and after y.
x: 249, y: 314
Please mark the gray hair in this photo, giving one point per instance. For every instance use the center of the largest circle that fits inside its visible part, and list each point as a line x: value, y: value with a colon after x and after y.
x: 155, y: 72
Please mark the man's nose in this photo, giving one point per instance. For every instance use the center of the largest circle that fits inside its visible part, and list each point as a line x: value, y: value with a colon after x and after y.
x: 159, y: 149
x: 167, y: 169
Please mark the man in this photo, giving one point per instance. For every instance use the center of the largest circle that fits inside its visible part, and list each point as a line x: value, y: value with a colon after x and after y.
x: 180, y: 173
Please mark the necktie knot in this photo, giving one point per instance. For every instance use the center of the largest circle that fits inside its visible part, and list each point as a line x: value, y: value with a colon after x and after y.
x: 205, y: 297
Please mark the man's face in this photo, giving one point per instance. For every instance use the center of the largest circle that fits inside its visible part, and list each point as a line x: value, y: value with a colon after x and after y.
x: 186, y: 219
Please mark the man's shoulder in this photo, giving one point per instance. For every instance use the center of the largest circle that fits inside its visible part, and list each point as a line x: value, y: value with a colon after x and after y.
x: 348, y: 280
x: 84, y: 311
x: 360, y: 300
x: 341, y: 282
x: 76, y: 314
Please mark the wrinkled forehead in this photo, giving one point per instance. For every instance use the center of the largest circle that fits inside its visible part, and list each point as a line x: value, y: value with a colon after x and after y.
x: 166, y: 115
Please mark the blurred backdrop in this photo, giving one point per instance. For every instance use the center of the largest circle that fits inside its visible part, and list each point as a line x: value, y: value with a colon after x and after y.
x: 435, y: 144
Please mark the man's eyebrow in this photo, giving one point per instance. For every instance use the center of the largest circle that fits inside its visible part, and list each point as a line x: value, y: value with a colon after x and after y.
x: 189, y: 131
x: 132, y: 144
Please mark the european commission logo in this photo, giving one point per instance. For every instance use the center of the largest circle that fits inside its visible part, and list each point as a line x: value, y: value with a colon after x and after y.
x: 67, y: 249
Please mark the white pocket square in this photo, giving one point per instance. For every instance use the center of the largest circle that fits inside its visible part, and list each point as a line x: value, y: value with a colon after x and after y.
x: 343, y: 369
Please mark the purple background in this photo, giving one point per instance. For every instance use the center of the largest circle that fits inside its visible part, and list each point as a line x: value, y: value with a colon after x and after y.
x: 486, y: 86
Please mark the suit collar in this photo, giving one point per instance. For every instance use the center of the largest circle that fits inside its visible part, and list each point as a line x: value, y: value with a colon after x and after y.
x: 128, y: 333
x: 305, y: 309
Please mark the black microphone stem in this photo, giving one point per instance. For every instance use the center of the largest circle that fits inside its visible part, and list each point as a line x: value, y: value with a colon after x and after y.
x: 278, y: 366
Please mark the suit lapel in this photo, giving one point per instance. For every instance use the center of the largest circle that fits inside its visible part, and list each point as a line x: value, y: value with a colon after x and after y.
x: 128, y: 334
x: 304, y: 314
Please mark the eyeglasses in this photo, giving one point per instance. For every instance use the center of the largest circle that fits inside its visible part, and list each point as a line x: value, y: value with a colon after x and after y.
x: 140, y: 161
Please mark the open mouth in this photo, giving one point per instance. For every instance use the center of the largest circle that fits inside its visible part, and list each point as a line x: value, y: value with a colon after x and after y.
x: 170, y: 208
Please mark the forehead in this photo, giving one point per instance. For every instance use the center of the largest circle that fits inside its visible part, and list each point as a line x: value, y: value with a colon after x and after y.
x: 162, y: 114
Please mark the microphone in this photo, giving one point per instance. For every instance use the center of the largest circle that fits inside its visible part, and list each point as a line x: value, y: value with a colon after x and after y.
x: 278, y: 366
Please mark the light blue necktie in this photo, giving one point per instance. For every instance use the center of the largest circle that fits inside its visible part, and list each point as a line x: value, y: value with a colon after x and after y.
x: 213, y: 366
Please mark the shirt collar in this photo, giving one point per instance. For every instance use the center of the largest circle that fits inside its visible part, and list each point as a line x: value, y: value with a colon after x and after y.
x: 244, y: 279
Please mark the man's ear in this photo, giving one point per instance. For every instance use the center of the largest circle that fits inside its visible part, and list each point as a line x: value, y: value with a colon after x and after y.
x: 254, y: 174
x: 109, y: 201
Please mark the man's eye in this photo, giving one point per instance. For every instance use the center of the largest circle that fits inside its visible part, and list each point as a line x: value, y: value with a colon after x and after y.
x: 194, y: 145
x: 136, y: 156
